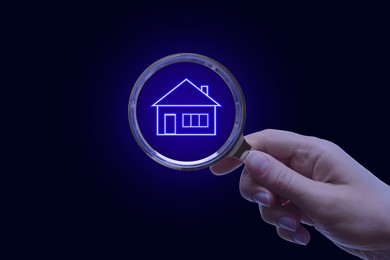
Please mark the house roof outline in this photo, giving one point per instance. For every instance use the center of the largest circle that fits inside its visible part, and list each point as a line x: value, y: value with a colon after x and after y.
x: 209, y: 99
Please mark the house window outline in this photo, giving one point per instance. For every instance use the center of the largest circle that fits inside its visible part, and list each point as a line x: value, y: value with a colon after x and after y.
x: 208, y: 106
x: 192, y: 116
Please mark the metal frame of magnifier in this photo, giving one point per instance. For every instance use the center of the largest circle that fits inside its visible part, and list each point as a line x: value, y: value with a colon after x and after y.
x: 235, y: 146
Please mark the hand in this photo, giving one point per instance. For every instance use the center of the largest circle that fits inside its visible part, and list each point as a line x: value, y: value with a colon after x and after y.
x: 299, y: 179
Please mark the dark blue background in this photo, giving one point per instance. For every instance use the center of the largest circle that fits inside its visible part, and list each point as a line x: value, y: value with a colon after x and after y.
x: 314, y: 69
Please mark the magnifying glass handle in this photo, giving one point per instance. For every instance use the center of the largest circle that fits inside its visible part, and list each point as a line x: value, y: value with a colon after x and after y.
x: 241, y: 149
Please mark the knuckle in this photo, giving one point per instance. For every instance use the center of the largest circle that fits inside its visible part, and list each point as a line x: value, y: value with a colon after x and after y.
x: 244, y: 193
x: 324, y: 145
x: 267, y: 131
x: 267, y: 216
x: 282, y: 180
x: 245, y: 189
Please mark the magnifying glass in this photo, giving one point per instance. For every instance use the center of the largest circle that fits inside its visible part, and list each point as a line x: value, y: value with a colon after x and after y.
x: 187, y: 111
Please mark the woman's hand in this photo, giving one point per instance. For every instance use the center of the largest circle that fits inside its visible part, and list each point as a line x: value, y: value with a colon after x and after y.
x: 299, y: 179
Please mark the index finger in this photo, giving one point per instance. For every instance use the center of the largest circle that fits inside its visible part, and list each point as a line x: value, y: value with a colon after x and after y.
x: 298, y: 152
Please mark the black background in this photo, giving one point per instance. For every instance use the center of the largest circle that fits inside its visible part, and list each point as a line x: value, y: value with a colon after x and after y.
x: 318, y: 70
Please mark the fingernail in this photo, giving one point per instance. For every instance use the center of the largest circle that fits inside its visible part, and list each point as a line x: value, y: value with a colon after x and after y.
x: 287, y: 223
x: 301, y: 239
x: 262, y: 198
x: 259, y: 161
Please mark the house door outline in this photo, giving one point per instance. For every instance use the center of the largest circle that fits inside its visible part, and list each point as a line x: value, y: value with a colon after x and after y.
x: 170, y: 124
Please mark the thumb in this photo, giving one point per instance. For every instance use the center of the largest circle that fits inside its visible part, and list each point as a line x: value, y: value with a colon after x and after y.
x: 282, y: 180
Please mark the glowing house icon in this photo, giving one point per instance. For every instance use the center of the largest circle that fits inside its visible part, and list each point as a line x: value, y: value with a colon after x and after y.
x: 186, y: 110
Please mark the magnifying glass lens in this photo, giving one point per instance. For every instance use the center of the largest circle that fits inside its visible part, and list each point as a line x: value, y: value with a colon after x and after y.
x: 187, y: 111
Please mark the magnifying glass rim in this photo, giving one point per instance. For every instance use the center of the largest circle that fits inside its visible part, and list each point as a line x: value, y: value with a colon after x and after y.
x: 239, y: 120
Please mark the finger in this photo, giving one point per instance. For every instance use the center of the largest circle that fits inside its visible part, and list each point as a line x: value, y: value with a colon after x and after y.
x: 297, y: 151
x: 226, y: 165
x: 301, y: 236
x: 253, y: 192
x: 280, y: 144
x: 305, y: 219
x: 280, y: 179
x: 286, y: 217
